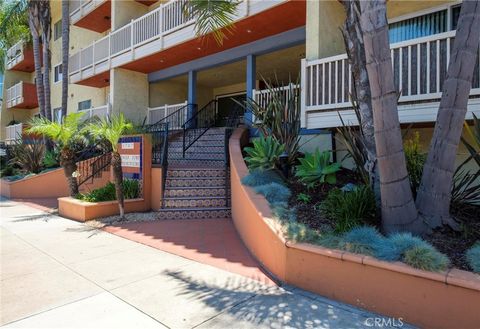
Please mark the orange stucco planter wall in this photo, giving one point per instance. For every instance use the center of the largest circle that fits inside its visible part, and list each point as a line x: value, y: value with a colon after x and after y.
x: 36, y: 186
x: 435, y: 300
x: 83, y: 211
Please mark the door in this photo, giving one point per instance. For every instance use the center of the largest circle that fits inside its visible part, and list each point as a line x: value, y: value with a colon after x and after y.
x: 227, y: 106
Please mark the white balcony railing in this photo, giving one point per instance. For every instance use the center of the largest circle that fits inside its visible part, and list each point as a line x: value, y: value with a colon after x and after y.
x: 13, y: 133
x: 155, y: 114
x: 419, y: 66
x: 161, y: 28
x: 100, y: 112
x: 15, y: 54
x: 15, y: 95
x: 81, y: 8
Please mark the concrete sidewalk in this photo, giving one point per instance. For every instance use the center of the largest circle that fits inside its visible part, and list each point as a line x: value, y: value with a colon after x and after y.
x: 56, y: 273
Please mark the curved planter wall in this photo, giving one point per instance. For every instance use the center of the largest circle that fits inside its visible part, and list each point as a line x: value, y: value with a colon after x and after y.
x: 440, y: 300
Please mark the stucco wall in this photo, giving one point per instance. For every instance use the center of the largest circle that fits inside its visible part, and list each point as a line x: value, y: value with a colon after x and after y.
x: 325, y: 18
x: 126, y: 10
x: 129, y: 94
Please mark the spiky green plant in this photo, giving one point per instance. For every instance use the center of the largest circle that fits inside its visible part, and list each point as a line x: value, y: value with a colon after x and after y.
x: 212, y: 16
x: 426, y: 258
x: 316, y: 168
x: 111, y: 129
x: 473, y: 257
x: 28, y: 156
x: 66, y: 135
x: 264, y: 154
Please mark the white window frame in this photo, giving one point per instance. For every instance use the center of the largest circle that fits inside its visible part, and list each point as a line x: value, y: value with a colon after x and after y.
x: 86, y: 100
x: 55, y: 37
x: 60, y: 74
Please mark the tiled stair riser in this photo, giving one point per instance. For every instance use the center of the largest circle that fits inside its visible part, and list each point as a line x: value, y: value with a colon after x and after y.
x: 196, y: 192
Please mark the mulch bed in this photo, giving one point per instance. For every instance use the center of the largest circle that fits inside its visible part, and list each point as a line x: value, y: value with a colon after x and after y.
x: 452, y: 243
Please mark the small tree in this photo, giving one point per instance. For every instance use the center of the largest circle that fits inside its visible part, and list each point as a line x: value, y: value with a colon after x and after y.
x: 66, y: 135
x: 111, y: 130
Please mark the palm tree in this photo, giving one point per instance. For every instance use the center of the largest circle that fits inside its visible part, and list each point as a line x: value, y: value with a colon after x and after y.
x: 65, y: 53
x: 212, y: 16
x: 66, y: 135
x: 434, y: 194
x: 35, y: 29
x: 111, y: 130
x: 46, y: 26
x: 399, y: 212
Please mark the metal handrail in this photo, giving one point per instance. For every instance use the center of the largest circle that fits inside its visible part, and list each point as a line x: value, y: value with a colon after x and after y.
x: 198, y: 124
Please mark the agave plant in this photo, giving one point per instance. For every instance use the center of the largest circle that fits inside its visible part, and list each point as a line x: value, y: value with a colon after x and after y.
x: 316, y: 168
x: 264, y: 154
x: 111, y: 130
x: 66, y: 135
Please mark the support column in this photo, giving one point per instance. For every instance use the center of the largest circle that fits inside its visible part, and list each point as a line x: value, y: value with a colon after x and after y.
x: 251, y: 80
x: 192, y: 92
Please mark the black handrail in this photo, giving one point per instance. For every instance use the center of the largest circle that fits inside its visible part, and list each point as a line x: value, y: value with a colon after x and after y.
x: 198, y: 124
x: 176, y: 119
x: 93, y: 167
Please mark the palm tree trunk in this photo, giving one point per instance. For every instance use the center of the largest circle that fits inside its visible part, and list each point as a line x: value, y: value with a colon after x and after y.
x: 434, y: 193
x: 67, y: 161
x: 65, y: 53
x: 353, y: 37
x: 399, y: 212
x: 45, y: 21
x: 118, y: 181
x: 34, y: 23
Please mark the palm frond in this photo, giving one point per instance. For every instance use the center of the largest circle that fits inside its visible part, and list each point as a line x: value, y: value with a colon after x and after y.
x: 62, y: 133
x: 109, y: 129
x: 212, y: 16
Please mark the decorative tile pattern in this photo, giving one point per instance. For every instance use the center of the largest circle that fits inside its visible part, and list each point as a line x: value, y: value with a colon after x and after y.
x: 203, y: 182
x: 196, y: 192
x: 194, y: 173
x: 195, y: 203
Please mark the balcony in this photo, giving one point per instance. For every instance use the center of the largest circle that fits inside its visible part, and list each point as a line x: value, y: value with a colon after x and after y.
x: 20, y: 58
x: 13, y: 133
x: 23, y: 95
x: 419, y: 65
x: 99, y: 112
x: 91, y: 14
x: 165, y: 37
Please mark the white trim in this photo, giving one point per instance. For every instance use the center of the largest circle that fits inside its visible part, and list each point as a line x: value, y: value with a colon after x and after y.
x: 424, y: 12
x: 53, y: 71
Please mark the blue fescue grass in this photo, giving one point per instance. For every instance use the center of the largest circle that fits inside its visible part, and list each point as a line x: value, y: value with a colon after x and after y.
x: 262, y: 177
x: 473, y: 257
x: 274, y: 193
x: 426, y: 257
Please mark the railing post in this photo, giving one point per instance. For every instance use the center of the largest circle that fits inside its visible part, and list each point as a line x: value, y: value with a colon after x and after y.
x: 303, y: 85
x: 131, y: 37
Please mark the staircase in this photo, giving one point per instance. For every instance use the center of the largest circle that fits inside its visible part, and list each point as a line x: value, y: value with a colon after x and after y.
x: 197, y: 185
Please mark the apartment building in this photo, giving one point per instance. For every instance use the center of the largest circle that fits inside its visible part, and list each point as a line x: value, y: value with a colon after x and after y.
x: 143, y: 58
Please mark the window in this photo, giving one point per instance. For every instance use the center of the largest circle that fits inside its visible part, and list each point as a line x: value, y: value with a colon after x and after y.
x: 57, y: 73
x: 417, y: 27
x: 57, y: 30
x: 58, y: 115
x: 85, y: 105
x: 455, y: 16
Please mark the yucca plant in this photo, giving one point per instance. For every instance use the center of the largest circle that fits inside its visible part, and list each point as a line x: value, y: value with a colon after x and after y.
x: 111, y: 130
x: 279, y: 116
x: 264, y: 154
x: 66, y: 135
x: 474, y: 134
x: 28, y: 156
x: 316, y: 168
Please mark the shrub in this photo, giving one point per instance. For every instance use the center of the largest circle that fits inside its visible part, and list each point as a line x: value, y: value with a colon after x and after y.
x: 330, y: 240
x: 349, y: 209
x: 473, y: 257
x: 426, y: 258
x: 28, y: 156
x: 51, y: 159
x: 262, y: 177
x: 131, y: 190
x: 8, y: 171
x: 283, y: 213
x: 264, y: 154
x: 274, y: 193
x: 305, y: 198
x: 316, y: 168
x: 299, y: 232
x: 415, y: 160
